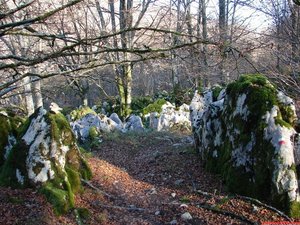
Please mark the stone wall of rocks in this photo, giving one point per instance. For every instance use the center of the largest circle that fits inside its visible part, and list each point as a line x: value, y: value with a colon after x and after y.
x: 245, y: 133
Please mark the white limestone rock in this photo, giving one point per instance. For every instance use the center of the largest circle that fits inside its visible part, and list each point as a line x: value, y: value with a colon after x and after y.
x: 101, y: 122
x: 134, y: 123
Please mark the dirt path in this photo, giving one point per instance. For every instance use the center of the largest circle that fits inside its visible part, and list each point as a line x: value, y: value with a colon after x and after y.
x: 153, y: 178
x: 149, y: 178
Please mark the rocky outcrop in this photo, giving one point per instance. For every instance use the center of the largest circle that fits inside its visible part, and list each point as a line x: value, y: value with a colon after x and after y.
x: 168, y: 118
x: 246, y: 134
x: 47, y: 157
x: 101, y: 123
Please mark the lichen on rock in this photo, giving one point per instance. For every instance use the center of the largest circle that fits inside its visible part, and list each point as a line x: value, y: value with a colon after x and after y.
x: 246, y: 136
x: 47, y: 157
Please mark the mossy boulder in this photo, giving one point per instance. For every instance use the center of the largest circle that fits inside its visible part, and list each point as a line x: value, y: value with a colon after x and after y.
x: 9, y: 129
x: 47, y: 157
x: 246, y: 136
x: 81, y: 112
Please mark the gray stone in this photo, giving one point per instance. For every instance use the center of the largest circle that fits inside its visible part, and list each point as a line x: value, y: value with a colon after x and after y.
x: 152, y: 191
x: 173, y: 222
x: 153, y: 120
x: 179, y: 182
x: 116, y: 119
x: 102, y: 123
x: 186, y: 216
x: 134, y: 123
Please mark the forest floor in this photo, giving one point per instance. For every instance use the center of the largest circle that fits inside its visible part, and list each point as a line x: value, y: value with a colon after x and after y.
x: 147, y: 178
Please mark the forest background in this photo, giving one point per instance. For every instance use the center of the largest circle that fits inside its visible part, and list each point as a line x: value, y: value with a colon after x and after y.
x: 87, y: 52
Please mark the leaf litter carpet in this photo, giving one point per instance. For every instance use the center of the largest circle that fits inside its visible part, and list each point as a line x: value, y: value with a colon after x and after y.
x: 144, y: 179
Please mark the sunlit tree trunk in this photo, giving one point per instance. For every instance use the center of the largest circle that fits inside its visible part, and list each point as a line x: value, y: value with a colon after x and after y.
x: 37, y: 92
x: 28, y: 96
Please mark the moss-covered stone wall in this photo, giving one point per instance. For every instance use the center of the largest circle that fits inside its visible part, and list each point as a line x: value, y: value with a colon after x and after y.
x: 246, y: 136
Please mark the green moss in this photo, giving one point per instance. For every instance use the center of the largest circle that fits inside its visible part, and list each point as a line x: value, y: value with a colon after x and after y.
x: 294, y: 168
x: 288, y: 114
x: 216, y: 91
x: 294, y: 210
x: 74, y: 179
x: 58, y: 197
x: 81, y: 112
x: 282, y: 123
x: 139, y: 103
x: 83, y: 213
x: 16, y: 159
x: 154, y: 107
x: 9, y: 125
x: 5, y: 129
x: 184, y: 199
x: 93, y: 133
x: 85, y: 170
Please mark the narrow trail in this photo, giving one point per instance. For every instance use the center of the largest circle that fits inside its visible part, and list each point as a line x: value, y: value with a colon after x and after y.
x: 140, y: 179
x: 157, y: 178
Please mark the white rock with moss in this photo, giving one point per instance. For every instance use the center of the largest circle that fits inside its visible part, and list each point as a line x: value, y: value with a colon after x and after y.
x: 246, y: 134
x: 198, y: 105
x: 48, y: 158
x: 169, y: 118
x: 101, y: 122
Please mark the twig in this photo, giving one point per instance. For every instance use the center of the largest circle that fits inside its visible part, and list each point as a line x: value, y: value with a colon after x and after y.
x: 97, y: 189
x: 257, y: 202
x: 122, y: 207
x: 165, y: 139
x: 226, y: 213
x: 253, y: 201
x: 204, y: 193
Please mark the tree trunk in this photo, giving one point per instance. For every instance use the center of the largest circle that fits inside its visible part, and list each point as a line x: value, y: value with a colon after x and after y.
x: 176, y: 41
x: 126, y: 69
x: 85, y: 100
x: 28, y: 96
x: 128, y: 92
x: 37, y: 92
x: 204, y: 36
x: 223, y: 39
